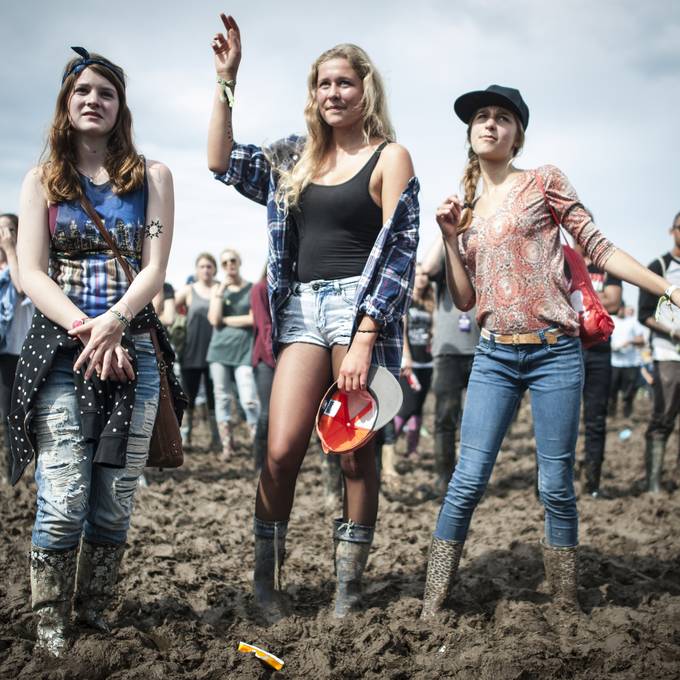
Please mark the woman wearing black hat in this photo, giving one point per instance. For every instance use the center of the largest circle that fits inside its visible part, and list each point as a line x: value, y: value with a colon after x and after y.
x: 503, y: 254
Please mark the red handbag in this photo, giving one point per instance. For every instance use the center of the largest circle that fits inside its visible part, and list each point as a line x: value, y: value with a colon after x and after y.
x: 596, y: 325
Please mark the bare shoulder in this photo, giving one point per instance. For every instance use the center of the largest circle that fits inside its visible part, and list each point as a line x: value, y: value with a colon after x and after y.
x: 158, y: 172
x: 396, y: 153
x: 34, y: 177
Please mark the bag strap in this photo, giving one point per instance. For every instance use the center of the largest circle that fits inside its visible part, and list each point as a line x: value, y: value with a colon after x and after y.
x: 556, y: 220
x: 97, y: 221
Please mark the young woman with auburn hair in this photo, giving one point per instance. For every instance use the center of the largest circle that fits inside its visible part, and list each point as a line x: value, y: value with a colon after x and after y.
x: 87, y: 384
x: 343, y: 217
x: 503, y: 253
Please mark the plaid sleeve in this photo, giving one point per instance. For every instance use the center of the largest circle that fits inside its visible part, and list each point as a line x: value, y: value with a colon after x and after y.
x: 388, y: 296
x: 249, y: 172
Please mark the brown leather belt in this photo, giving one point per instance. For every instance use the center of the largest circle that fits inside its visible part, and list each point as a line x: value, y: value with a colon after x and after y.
x: 550, y: 336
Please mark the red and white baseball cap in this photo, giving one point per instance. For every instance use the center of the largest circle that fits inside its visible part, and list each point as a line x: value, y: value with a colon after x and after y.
x: 348, y: 420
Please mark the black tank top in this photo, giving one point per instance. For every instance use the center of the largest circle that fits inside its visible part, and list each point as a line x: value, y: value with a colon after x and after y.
x: 337, y: 226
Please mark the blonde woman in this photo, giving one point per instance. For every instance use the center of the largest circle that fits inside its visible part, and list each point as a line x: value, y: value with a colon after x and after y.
x: 343, y: 217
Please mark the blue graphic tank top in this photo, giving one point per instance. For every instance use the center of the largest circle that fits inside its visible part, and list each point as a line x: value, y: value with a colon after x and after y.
x: 81, y: 262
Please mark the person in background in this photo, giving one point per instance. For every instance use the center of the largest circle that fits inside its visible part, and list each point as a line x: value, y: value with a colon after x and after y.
x: 263, y: 364
x: 230, y: 349
x: 626, y: 341
x: 455, y: 337
x: 164, y: 305
x: 665, y: 342
x: 597, y: 380
x: 196, y: 298
x: 416, y: 363
x: 16, y: 311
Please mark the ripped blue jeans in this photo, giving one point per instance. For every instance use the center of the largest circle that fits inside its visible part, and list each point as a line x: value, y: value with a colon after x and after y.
x: 76, y: 497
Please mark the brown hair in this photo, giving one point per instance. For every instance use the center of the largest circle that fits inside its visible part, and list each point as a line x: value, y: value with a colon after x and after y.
x: 376, y: 120
x: 426, y: 299
x: 206, y: 256
x: 123, y: 164
x: 473, y: 171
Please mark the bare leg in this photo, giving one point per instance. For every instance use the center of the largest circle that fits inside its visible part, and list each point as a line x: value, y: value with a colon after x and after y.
x: 302, y: 375
x: 359, y: 472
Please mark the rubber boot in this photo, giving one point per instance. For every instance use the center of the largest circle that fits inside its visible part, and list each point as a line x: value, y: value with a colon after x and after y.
x: 270, y: 554
x: 352, y: 545
x: 413, y: 435
x: 561, y: 575
x: 444, y: 460
x: 98, y: 566
x: 52, y: 584
x: 389, y: 460
x: 331, y: 477
x: 226, y: 441
x: 442, y: 567
x: 187, y: 427
x: 215, y: 439
x: 654, y: 455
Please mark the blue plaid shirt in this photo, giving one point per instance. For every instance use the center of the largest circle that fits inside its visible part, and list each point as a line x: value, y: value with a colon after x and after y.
x: 386, y: 284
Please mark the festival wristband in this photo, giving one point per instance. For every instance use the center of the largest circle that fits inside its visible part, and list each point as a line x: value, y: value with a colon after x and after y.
x: 227, y: 91
x: 120, y: 317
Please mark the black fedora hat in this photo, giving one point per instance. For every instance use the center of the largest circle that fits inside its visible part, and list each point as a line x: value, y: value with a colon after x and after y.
x: 494, y: 95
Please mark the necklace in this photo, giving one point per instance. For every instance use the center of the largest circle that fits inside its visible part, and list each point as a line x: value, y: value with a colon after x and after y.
x: 92, y: 178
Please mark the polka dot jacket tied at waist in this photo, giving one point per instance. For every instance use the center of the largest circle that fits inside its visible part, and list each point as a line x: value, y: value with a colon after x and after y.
x: 515, y: 259
x: 106, y: 406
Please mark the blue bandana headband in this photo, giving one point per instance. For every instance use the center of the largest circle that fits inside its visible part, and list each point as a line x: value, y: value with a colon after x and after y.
x: 86, y: 60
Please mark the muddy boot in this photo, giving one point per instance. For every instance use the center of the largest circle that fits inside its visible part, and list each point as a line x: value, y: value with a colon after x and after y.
x: 413, y: 436
x: 442, y: 567
x: 389, y: 461
x: 331, y: 477
x: 187, y: 427
x: 352, y: 545
x: 444, y: 461
x: 561, y: 575
x: 98, y: 566
x: 215, y: 439
x: 52, y: 582
x: 270, y: 553
x: 225, y: 440
x: 654, y: 454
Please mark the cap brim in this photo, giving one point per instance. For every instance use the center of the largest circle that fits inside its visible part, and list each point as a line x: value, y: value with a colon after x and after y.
x: 387, y: 392
x: 468, y: 104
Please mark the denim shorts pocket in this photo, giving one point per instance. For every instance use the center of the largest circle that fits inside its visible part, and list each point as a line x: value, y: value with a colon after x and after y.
x: 349, y: 293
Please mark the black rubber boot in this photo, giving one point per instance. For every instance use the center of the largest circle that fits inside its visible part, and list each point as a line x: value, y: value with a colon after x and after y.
x: 444, y: 460
x: 270, y: 553
x: 98, y: 566
x: 654, y: 455
x: 352, y: 546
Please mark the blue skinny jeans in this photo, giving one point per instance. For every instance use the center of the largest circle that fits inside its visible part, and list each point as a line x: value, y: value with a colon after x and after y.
x: 500, y: 375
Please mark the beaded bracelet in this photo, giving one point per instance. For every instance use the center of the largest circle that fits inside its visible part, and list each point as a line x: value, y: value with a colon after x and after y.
x: 120, y: 317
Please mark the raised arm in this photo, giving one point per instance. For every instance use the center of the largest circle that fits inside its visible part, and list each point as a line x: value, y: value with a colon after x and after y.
x: 457, y: 279
x: 227, y: 51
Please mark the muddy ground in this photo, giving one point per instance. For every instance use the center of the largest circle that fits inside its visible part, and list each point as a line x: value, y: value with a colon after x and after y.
x: 185, y: 597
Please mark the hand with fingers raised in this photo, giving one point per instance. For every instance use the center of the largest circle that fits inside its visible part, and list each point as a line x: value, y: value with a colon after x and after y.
x: 448, y: 217
x: 227, y: 49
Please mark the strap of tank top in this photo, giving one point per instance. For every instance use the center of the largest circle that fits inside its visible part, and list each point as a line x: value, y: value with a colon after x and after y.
x: 381, y: 146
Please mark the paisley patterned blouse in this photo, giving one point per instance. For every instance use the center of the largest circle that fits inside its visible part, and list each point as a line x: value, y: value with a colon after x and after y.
x: 515, y: 259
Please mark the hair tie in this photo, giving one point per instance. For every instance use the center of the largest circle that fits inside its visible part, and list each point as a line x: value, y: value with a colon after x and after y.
x: 86, y: 60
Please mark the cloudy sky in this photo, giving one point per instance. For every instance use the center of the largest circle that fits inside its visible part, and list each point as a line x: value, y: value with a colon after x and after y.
x: 602, y: 81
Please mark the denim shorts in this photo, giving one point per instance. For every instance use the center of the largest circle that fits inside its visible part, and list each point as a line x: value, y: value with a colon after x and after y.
x: 319, y: 312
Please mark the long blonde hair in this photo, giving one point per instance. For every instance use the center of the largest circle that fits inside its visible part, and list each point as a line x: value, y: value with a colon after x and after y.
x: 376, y: 121
x: 122, y: 163
x: 473, y: 171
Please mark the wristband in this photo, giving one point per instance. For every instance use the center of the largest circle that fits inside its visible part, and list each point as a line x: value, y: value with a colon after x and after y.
x: 227, y: 91
x: 361, y: 330
x: 670, y: 290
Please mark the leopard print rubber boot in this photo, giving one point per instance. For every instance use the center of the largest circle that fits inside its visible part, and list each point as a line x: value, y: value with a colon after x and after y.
x: 98, y: 566
x: 442, y: 566
x: 561, y: 575
x: 52, y: 583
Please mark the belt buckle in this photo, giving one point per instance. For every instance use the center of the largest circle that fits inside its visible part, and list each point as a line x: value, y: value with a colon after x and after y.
x: 515, y: 339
